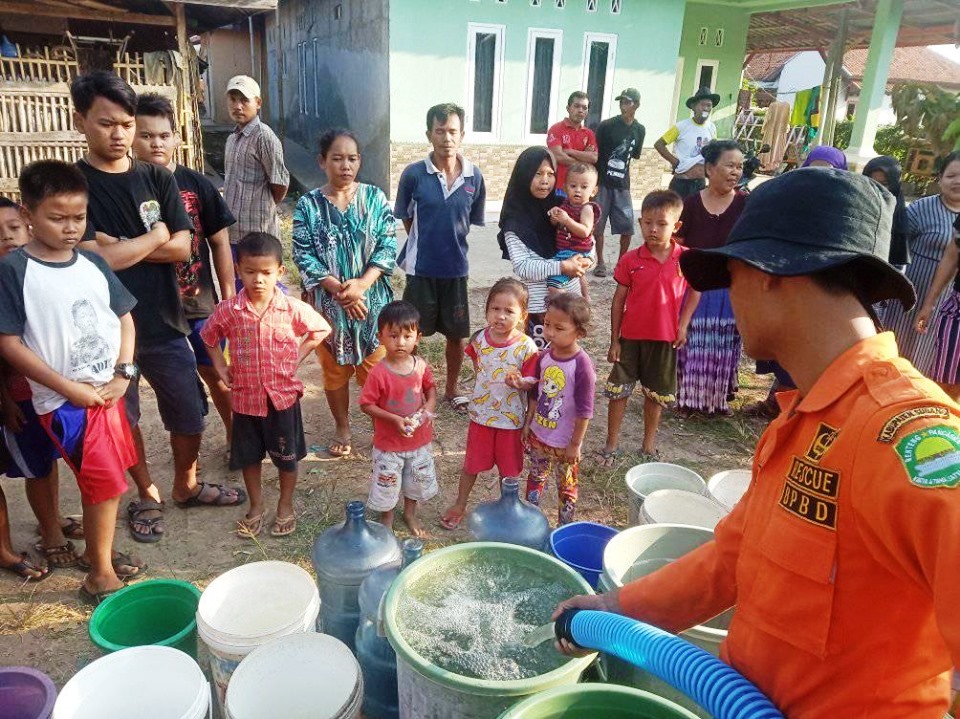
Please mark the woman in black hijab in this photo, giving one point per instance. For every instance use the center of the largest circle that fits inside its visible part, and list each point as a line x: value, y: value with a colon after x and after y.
x: 886, y: 170
x: 527, y: 237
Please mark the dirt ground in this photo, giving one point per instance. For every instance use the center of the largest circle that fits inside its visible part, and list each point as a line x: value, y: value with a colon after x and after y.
x: 43, y: 625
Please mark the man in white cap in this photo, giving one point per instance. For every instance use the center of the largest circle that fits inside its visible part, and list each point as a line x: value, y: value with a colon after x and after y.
x: 256, y: 179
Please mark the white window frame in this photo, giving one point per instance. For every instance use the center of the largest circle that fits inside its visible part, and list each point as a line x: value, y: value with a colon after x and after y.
x: 592, y: 5
x: 316, y: 82
x: 702, y: 63
x: 616, y: 6
x: 473, y: 29
x: 611, y: 40
x: 532, y: 35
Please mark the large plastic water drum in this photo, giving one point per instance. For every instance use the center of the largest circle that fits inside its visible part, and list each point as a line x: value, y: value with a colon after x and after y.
x: 596, y: 701
x: 643, y: 479
x: 676, y: 506
x: 637, y: 552
x: 728, y: 487
x: 25, y: 693
x: 302, y: 676
x: 150, y: 682
x: 247, y: 607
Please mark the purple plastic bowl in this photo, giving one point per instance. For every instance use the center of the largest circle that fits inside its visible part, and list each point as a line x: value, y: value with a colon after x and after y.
x: 26, y: 693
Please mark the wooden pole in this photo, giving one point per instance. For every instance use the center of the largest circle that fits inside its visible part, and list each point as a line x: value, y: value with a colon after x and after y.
x: 185, y: 96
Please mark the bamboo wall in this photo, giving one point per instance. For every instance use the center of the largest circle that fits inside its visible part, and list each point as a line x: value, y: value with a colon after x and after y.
x: 36, y: 112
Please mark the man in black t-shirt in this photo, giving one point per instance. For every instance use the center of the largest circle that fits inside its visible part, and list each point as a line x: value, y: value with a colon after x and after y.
x: 142, y: 230
x: 156, y: 142
x: 619, y: 140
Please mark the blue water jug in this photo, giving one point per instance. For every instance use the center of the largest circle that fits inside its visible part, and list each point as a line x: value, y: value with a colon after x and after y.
x: 509, y: 519
x: 377, y: 658
x: 343, y: 556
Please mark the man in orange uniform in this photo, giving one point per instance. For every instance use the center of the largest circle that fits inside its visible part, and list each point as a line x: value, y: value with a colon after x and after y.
x: 841, y: 559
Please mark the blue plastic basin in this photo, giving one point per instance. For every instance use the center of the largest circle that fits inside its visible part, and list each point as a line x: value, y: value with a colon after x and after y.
x: 580, y: 546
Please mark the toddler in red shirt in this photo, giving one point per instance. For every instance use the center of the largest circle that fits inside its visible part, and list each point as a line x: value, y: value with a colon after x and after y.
x: 400, y: 396
x: 651, y: 311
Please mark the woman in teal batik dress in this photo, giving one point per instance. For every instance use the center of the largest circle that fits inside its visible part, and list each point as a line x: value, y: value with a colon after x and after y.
x: 344, y: 244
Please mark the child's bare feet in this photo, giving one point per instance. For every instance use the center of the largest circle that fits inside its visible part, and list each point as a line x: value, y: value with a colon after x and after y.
x: 414, y: 525
x: 386, y: 519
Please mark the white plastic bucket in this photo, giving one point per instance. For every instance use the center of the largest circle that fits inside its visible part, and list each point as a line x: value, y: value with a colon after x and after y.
x: 728, y: 487
x: 639, y: 551
x: 676, y: 506
x: 303, y: 676
x: 247, y: 607
x: 150, y: 682
x: 644, y: 479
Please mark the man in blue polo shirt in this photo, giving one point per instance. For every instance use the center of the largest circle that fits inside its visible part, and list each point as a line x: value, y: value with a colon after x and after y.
x: 438, y: 199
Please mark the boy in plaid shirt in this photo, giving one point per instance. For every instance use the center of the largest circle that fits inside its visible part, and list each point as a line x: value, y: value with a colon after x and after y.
x: 269, y: 334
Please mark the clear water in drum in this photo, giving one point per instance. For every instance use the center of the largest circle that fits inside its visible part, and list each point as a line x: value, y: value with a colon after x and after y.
x: 473, y: 620
x: 643, y: 567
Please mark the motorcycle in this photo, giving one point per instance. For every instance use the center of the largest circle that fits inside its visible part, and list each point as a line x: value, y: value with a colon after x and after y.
x: 751, y: 163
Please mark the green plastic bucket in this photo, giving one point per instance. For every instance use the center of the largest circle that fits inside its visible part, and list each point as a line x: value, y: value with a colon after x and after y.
x: 428, y: 691
x: 161, y: 612
x: 591, y: 701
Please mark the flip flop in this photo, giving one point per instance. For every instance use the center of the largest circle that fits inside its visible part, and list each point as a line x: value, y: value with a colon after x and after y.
x: 23, y: 568
x: 458, y: 404
x: 61, y: 556
x: 608, y: 457
x: 155, y: 527
x: 339, y: 449
x: 250, y: 527
x: 195, y: 500
x: 451, y: 520
x: 283, y: 527
x: 120, y: 562
x: 93, y: 599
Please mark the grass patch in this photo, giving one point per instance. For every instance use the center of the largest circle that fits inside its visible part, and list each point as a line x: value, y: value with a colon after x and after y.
x: 20, y: 617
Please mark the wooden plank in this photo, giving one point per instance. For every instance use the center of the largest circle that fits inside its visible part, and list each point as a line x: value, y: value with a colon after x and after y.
x: 22, y: 139
x: 76, y: 13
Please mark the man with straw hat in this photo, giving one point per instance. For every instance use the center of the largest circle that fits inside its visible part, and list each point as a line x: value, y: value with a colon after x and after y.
x: 688, y: 138
x: 841, y: 557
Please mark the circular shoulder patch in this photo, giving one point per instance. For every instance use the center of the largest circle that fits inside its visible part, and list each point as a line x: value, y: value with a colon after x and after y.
x: 931, y: 456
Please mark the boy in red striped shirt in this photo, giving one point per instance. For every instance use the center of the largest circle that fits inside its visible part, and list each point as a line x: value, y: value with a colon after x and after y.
x: 270, y: 335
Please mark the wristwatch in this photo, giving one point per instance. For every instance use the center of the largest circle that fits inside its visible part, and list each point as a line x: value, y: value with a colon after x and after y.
x: 127, y: 370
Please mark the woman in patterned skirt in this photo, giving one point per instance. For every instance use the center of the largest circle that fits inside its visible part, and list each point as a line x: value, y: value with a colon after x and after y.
x: 345, y: 245
x: 707, y: 365
x: 930, y: 222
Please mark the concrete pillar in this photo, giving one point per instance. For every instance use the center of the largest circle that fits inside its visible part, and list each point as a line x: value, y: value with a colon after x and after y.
x: 883, y: 40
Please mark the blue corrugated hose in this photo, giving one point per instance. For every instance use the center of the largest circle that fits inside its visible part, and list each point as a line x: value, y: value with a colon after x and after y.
x: 715, y: 686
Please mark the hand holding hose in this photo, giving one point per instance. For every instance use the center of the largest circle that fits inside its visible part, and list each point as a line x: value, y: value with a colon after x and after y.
x: 607, y: 602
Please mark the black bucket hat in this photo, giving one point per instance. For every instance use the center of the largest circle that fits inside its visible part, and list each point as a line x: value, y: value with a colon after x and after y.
x: 703, y: 94
x: 805, y: 221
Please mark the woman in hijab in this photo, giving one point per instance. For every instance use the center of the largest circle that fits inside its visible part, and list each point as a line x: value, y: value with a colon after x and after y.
x: 886, y: 170
x: 527, y: 237
x: 826, y: 156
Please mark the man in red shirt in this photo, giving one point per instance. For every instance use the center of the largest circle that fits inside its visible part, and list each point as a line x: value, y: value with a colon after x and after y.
x: 841, y: 557
x: 570, y: 141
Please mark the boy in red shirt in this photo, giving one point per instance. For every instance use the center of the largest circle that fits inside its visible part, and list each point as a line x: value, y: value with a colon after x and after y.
x: 270, y: 335
x: 648, y: 322
x: 400, y: 396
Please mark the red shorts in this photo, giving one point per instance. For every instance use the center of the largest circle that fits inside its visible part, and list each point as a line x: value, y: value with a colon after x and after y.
x: 489, y: 446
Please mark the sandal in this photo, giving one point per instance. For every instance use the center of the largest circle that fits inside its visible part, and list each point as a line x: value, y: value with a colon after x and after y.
x: 284, y: 527
x: 221, y: 500
x: 608, y: 457
x: 154, y: 525
x: 27, y: 570
x: 339, y: 448
x: 250, y: 527
x: 459, y: 404
x: 124, y: 566
x: 451, y: 520
x: 72, y: 527
x: 61, y: 556
x: 93, y: 599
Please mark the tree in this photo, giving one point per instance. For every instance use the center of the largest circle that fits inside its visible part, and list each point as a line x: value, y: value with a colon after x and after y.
x: 927, y: 114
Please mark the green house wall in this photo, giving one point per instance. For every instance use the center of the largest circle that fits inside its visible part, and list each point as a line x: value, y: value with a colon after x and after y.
x: 429, y: 64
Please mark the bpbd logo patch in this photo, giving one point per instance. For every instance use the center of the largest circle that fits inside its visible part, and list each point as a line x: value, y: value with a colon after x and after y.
x: 931, y: 456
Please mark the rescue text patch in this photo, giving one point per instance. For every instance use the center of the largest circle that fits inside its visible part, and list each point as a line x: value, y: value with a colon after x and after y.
x: 931, y: 456
x: 821, y: 442
x: 893, y: 425
x: 808, y: 506
x: 813, y: 478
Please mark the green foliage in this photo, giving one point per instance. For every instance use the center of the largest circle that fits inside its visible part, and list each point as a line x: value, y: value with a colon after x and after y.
x: 926, y: 113
x: 841, y: 134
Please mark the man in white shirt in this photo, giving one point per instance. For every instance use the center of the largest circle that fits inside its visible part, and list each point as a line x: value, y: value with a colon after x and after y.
x: 688, y: 138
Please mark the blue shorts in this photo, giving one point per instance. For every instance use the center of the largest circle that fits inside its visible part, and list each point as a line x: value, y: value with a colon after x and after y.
x: 199, y: 348
x: 30, y: 453
x: 171, y: 369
